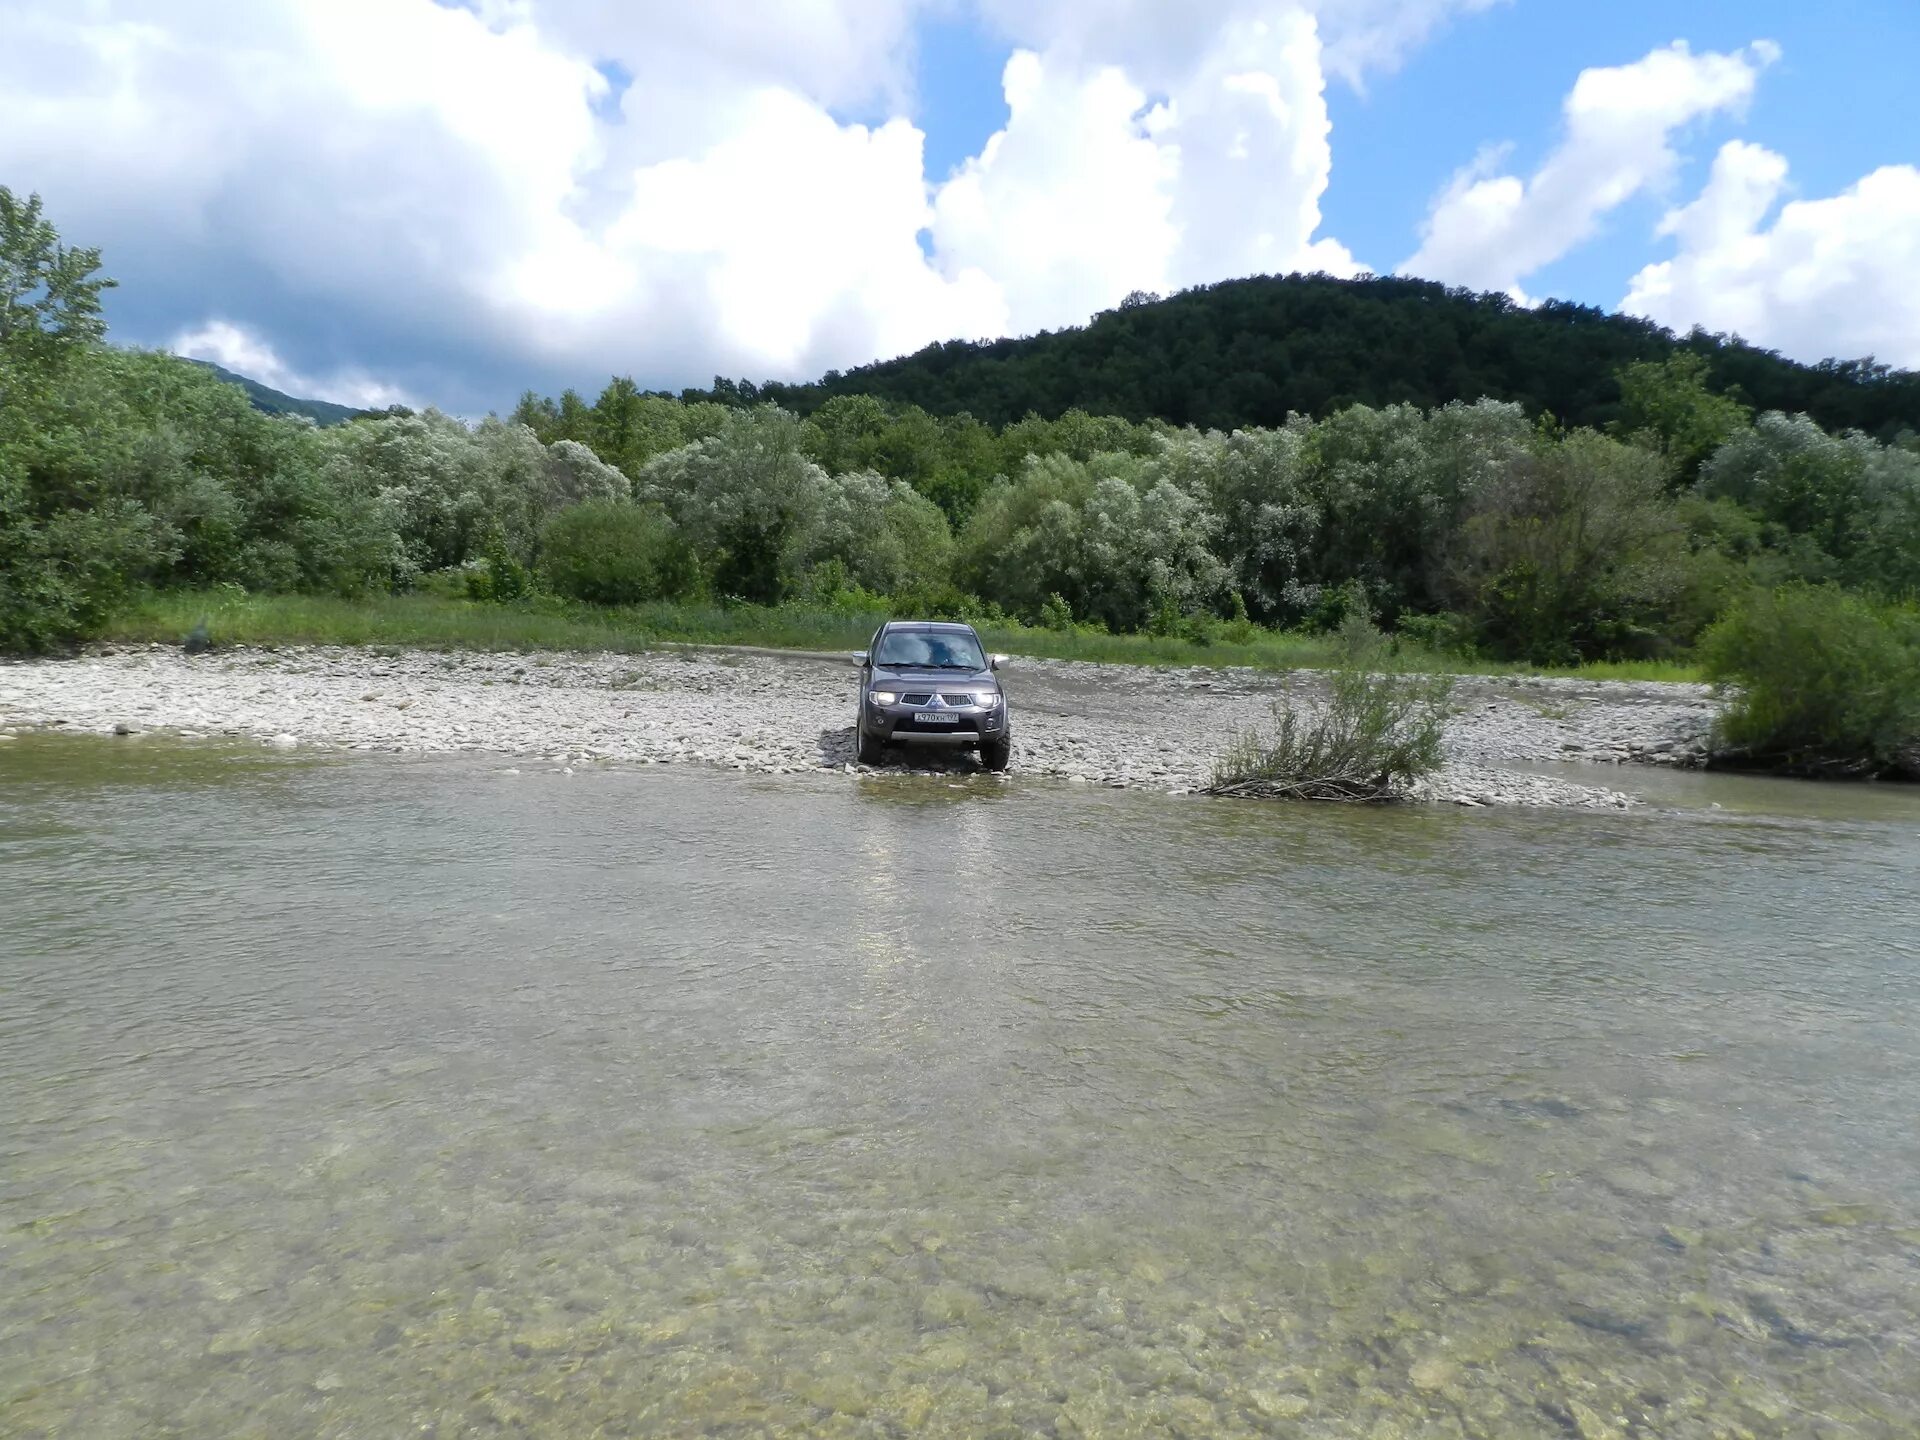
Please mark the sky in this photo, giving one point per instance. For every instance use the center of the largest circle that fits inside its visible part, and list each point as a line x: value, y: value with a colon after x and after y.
x: 430, y: 202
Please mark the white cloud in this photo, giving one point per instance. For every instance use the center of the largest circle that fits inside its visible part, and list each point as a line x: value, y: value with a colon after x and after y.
x: 462, y: 201
x: 1373, y: 35
x: 1490, y: 231
x: 1832, y: 277
x: 1068, y: 207
x: 244, y: 352
x: 1158, y: 42
x: 1094, y: 188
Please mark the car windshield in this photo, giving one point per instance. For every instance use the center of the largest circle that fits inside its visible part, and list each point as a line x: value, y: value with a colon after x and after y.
x: 931, y: 650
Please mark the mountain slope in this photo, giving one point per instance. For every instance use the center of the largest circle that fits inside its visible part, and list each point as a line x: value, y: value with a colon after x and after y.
x: 274, y: 402
x: 1246, y: 352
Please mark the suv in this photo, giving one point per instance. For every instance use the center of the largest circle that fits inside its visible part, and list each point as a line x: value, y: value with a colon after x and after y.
x: 931, y: 682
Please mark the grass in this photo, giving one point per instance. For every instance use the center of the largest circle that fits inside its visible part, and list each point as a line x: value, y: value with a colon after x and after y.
x: 436, y: 622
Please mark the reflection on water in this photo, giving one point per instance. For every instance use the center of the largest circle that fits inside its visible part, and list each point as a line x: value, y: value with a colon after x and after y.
x: 387, y: 1097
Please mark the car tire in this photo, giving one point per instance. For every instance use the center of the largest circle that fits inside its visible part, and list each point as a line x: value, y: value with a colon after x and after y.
x: 994, y: 754
x: 867, y: 749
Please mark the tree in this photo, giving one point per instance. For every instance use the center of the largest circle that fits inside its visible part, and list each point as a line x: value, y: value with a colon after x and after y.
x: 1571, y: 550
x: 1268, y: 525
x: 746, y: 499
x: 49, y: 293
x: 615, y: 553
x: 1855, y: 502
x: 71, y: 545
x: 1666, y: 405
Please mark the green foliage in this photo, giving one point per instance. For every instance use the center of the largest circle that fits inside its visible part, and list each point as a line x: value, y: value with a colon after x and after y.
x: 498, y: 577
x: 1112, y: 537
x: 1443, y: 633
x: 62, y: 578
x: 123, y: 469
x: 1667, y: 405
x: 1460, y: 526
x: 1818, y: 681
x: 1569, y: 551
x: 762, y: 515
x: 1377, y: 731
x: 49, y: 294
x: 1252, y: 352
x: 745, y: 498
x: 613, y: 552
x: 1841, y: 506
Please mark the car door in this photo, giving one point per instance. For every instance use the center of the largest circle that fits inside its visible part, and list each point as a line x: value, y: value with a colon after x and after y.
x: 866, y: 673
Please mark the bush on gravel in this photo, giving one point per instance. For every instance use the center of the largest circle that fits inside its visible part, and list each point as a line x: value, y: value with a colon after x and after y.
x: 1379, y: 729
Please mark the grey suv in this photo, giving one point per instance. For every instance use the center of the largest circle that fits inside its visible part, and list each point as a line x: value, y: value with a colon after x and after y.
x: 929, y: 681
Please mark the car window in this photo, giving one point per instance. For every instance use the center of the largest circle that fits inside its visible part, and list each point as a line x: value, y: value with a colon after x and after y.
x: 931, y: 647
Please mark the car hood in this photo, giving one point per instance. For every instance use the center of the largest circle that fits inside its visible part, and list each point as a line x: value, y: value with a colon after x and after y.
x: 885, y: 677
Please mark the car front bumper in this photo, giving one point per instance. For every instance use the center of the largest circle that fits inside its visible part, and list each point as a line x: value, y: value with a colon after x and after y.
x: 971, y: 725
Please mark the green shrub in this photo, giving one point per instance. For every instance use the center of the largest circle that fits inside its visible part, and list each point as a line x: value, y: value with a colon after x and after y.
x: 63, y: 578
x: 1819, y: 681
x: 498, y: 577
x: 1377, y: 731
x: 943, y: 602
x: 1447, y: 633
x: 610, y: 552
x: 1238, y: 628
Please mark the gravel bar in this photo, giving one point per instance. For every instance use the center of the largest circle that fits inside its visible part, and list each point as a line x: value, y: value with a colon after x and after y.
x: 1115, y: 725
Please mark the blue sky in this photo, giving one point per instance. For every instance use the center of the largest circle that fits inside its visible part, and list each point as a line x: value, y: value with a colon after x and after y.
x: 1842, y: 101
x: 1839, y: 103
x: 381, y: 200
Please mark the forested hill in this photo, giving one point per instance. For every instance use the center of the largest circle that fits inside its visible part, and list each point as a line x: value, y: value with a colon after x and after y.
x: 274, y: 402
x: 1247, y: 352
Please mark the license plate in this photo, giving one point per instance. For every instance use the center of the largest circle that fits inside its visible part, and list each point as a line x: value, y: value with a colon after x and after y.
x: 936, y: 717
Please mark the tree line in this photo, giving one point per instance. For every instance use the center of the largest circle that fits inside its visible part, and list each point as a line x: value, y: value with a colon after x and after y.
x: 1251, y: 352
x: 1474, y: 526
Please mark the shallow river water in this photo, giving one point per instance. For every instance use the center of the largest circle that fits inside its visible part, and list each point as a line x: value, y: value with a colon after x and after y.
x: 376, y: 1097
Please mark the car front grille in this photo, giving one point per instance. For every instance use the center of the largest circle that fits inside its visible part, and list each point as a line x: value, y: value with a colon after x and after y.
x: 920, y: 699
x: 966, y: 699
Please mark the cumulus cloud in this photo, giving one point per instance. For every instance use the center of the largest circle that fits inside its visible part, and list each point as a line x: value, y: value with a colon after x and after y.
x: 471, y: 199
x: 1158, y: 43
x: 1095, y: 188
x: 1365, y: 36
x: 1490, y: 231
x: 245, y: 352
x: 1829, y: 277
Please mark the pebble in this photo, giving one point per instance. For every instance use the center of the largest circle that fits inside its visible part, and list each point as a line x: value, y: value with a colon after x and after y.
x: 1122, y: 727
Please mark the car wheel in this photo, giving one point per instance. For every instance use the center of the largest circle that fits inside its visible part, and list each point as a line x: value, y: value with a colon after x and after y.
x: 867, y: 749
x: 994, y: 754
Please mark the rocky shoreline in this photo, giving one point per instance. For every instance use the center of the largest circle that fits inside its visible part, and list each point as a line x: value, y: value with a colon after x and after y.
x: 772, y: 712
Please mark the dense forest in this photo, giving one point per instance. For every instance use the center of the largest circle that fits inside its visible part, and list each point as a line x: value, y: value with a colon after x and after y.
x: 1473, y: 526
x: 1251, y: 352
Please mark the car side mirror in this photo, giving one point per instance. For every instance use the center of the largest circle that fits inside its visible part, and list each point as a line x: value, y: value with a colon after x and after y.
x: 999, y: 662
x: 859, y: 657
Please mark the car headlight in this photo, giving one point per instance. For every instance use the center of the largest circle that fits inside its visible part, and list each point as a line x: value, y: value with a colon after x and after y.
x: 882, y: 697
x: 987, y: 699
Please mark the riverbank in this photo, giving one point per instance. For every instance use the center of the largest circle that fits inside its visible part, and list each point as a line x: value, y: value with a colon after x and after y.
x: 1122, y: 726
x: 442, y: 621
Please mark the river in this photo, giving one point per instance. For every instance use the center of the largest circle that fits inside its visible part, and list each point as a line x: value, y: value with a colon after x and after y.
x: 369, y: 1096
